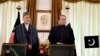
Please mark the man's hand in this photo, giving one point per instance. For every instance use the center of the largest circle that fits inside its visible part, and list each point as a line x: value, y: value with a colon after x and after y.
x: 30, y: 47
x: 59, y: 43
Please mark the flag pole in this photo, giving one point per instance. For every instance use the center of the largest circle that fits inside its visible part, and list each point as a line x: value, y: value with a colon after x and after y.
x: 12, y: 34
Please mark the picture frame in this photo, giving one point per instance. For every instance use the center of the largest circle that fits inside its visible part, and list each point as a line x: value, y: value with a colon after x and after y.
x: 43, y: 21
x: 43, y: 36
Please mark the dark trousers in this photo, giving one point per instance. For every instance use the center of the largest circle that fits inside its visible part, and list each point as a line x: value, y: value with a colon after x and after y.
x: 32, y: 52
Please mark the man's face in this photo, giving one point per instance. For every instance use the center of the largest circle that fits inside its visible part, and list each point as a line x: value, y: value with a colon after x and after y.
x: 26, y: 19
x: 62, y: 20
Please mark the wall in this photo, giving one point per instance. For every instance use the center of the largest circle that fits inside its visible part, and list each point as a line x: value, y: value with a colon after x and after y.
x: 42, y: 7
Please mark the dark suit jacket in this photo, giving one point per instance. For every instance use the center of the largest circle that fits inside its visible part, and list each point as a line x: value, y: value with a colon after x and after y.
x: 62, y: 34
x: 22, y: 36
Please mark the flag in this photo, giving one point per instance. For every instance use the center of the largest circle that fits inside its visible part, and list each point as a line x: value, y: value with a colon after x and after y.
x: 11, y: 40
x: 91, y: 41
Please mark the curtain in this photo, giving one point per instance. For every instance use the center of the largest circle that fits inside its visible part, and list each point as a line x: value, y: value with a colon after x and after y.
x: 8, y: 16
x: 56, y: 11
x: 85, y: 21
x: 31, y: 7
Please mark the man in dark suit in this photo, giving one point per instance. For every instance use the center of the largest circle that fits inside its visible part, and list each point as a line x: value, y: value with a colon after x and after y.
x: 26, y: 34
x: 61, y: 34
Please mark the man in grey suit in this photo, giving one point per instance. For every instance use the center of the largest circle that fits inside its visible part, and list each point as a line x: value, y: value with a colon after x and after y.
x: 25, y: 33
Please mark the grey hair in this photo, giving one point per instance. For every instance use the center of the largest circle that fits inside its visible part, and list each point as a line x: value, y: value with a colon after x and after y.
x: 62, y: 15
x: 25, y: 13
